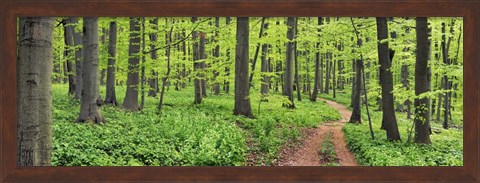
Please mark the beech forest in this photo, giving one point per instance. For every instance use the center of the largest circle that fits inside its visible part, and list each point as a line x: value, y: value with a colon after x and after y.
x: 240, y: 91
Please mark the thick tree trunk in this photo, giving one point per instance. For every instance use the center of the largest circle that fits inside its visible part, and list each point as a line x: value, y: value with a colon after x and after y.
x: 289, y: 62
x: 153, y: 81
x: 203, y: 65
x: 422, y: 116
x: 131, y: 96
x: 242, y: 99
x: 388, y: 118
x: 197, y: 66
x: 34, y: 99
x: 111, y: 96
x: 68, y: 34
x: 89, y: 104
x: 77, y: 41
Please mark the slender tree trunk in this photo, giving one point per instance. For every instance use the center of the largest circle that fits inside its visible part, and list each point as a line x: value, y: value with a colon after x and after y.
x: 89, y: 104
x: 216, y: 54
x: 203, y: 65
x: 242, y: 99
x: 333, y: 78
x: 142, y: 68
x: 307, y: 74
x: 295, y: 54
x: 388, y: 118
x: 316, y: 80
x: 103, y: 71
x: 197, y: 66
x: 153, y: 81
x: 111, y: 96
x: 131, y: 96
x: 34, y: 100
x: 422, y: 116
x: 265, y: 69
x: 262, y: 28
x: 226, y: 83
x: 164, y: 81
x: 68, y: 34
x: 289, y: 62
x: 328, y: 65
x: 77, y: 41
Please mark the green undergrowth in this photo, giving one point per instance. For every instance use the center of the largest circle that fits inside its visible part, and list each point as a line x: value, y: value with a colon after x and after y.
x: 183, y: 134
x: 327, y: 154
x: 446, y: 148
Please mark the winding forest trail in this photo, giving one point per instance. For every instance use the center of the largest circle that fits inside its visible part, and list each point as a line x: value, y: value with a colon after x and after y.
x: 307, y: 153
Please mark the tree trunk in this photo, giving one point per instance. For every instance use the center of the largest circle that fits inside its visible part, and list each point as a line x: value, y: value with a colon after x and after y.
x: 289, y: 62
x: 203, y: 65
x: 153, y: 81
x: 388, y: 118
x: 216, y: 54
x: 197, y: 66
x: 242, y: 99
x: 89, y: 104
x: 316, y: 80
x: 131, y: 97
x: 111, y: 96
x: 328, y: 65
x: 68, y: 34
x: 356, y: 100
x: 142, y: 67
x: 262, y: 28
x: 295, y: 54
x: 77, y: 41
x: 333, y: 78
x: 164, y: 81
x: 265, y: 69
x: 34, y: 99
x: 422, y: 116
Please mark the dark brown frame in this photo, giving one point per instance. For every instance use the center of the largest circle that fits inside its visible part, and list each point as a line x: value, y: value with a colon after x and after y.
x: 10, y: 9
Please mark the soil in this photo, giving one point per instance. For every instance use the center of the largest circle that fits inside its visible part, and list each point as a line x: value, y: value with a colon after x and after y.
x: 306, y: 152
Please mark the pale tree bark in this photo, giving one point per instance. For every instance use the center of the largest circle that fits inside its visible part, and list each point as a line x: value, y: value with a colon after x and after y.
x: 265, y: 69
x: 131, y: 97
x: 422, y: 116
x: 111, y: 97
x: 388, y: 111
x: 34, y: 99
x: 242, y: 98
x: 89, y: 104
x: 289, y: 62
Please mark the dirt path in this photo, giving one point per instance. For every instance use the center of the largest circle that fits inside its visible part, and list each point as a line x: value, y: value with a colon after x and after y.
x: 307, y: 153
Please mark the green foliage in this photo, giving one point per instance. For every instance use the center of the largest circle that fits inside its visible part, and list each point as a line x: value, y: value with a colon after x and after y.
x: 182, y: 135
x: 446, y: 148
x: 328, y: 156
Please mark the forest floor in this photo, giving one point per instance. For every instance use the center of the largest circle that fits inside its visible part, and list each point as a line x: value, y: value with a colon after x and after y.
x: 306, y: 153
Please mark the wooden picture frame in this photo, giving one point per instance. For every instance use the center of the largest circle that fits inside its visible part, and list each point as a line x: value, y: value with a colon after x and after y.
x: 10, y: 10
